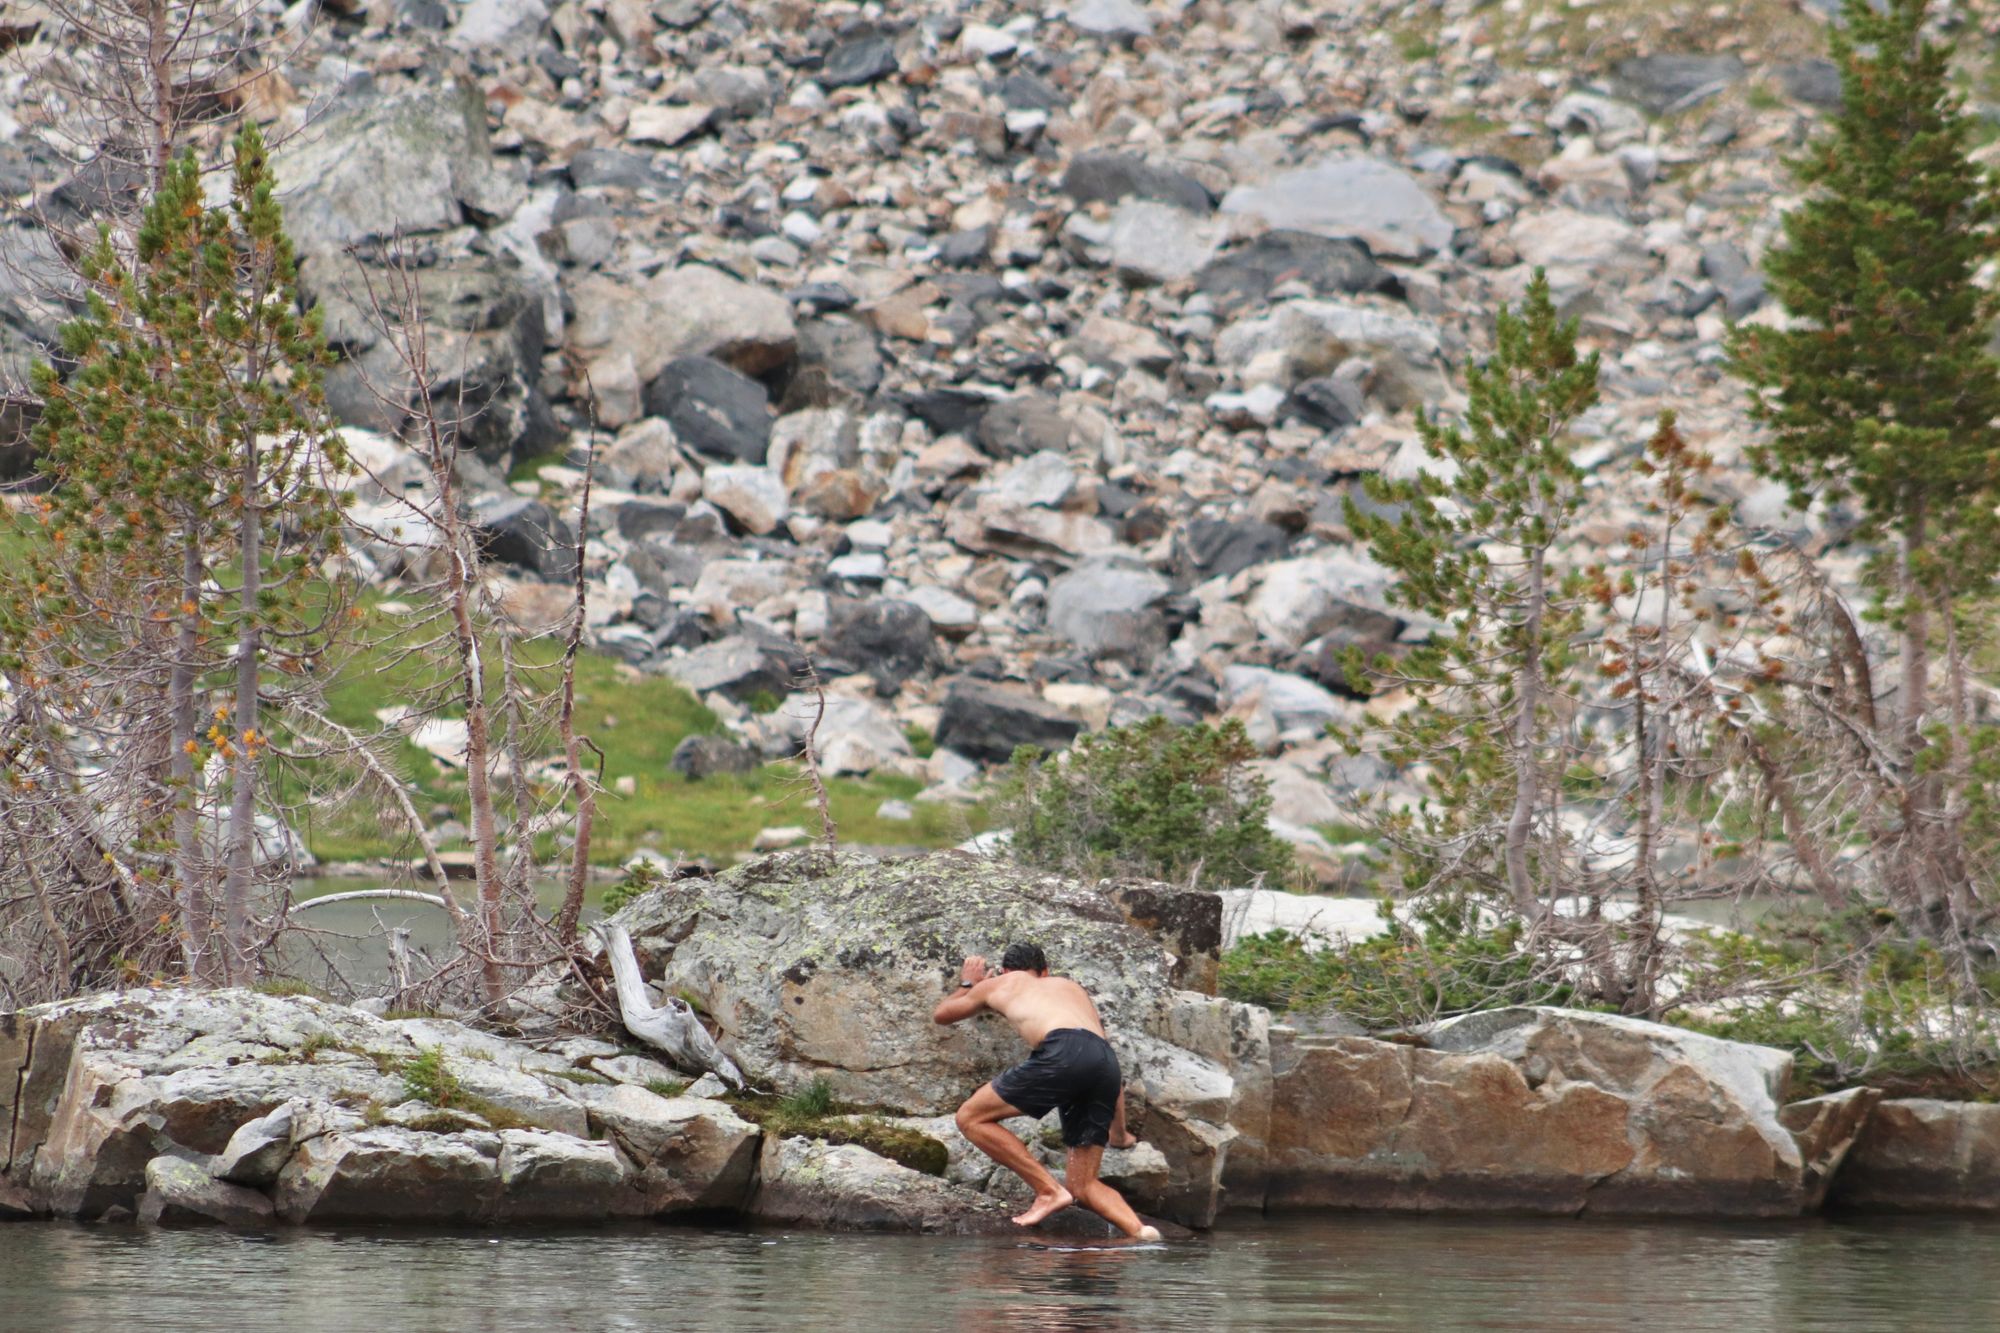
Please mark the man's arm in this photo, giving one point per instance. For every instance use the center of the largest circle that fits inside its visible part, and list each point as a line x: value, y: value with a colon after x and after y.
x: 975, y: 987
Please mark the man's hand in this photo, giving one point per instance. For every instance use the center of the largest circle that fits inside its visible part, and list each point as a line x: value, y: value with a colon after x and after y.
x: 964, y: 1001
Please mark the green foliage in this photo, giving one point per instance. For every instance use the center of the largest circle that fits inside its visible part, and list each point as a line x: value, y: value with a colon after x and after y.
x: 1856, y: 1002
x: 637, y: 720
x: 641, y: 878
x: 173, y: 559
x: 1470, y: 540
x: 1885, y: 388
x: 1150, y: 799
x: 1439, y: 964
x: 427, y: 1077
x: 664, y: 1087
x: 811, y: 1102
x: 813, y: 1113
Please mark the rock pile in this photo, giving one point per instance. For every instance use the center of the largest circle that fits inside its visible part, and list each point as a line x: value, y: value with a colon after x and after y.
x: 1067, y: 325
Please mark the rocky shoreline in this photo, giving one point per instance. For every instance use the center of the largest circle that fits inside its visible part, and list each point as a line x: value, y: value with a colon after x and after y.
x: 242, y: 1108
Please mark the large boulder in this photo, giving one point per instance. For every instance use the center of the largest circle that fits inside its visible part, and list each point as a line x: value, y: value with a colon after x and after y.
x: 624, y: 333
x: 819, y: 967
x: 988, y: 722
x: 180, y: 1189
x: 1350, y: 198
x: 1921, y: 1155
x: 1304, y: 340
x: 890, y: 639
x: 1535, y: 1110
x: 1108, y: 607
x: 378, y: 164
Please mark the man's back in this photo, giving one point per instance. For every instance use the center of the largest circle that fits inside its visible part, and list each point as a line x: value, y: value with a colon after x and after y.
x: 1037, y: 1006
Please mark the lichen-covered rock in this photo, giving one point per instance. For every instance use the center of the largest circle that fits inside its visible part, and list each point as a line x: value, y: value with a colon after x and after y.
x: 258, y: 1148
x: 390, y: 1174
x: 1921, y: 1155
x: 1537, y: 1110
x: 690, y: 1154
x: 92, y: 1091
x: 815, y: 967
x: 179, y: 1189
x: 848, y: 1188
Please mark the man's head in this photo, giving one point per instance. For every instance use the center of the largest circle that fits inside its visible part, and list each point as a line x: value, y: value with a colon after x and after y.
x: 1024, y: 958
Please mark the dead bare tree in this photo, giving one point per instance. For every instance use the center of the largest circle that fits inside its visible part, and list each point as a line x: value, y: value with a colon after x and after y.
x: 466, y: 652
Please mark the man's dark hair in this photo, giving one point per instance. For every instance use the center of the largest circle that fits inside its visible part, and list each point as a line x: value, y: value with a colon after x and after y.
x: 1024, y: 958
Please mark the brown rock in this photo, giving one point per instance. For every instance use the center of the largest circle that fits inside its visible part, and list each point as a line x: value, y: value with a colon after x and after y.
x: 1921, y: 1155
x: 1827, y: 1129
x: 1535, y: 1110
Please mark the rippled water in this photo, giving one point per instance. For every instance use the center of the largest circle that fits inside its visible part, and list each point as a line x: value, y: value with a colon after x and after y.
x: 1361, y: 1272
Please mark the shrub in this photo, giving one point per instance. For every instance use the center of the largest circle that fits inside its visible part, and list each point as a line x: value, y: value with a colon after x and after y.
x: 1442, y: 964
x: 1855, y: 1001
x: 427, y: 1078
x: 1151, y: 799
x: 641, y: 877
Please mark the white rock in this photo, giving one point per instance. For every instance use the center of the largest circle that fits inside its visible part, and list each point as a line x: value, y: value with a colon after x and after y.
x: 750, y: 495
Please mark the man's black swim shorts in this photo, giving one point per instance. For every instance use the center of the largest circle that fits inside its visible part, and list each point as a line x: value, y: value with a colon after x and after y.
x: 1073, y: 1071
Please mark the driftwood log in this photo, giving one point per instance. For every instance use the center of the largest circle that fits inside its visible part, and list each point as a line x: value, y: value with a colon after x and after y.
x: 672, y: 1028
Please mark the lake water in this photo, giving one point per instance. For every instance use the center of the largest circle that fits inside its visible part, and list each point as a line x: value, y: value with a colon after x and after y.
x: 1317, y: 1272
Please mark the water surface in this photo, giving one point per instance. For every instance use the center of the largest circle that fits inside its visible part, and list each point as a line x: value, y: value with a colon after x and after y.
x: 1321, y: 1272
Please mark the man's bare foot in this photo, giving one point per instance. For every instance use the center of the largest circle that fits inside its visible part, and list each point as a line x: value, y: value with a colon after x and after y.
x: 1045, y: 1205
x: 1126, y: 1140
x: 1148, y: 1233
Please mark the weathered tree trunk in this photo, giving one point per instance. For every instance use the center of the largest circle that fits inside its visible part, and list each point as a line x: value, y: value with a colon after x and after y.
x: 1527, y: 767
x: 189, y: 871
x: 243, y: 795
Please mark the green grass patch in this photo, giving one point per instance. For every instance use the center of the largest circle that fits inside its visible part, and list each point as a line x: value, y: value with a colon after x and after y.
x: 637, y: 720
x: 665, y: 1087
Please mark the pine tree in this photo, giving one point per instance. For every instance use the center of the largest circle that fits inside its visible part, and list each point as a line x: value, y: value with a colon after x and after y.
x: 171, y: 593
x: 1472, y: 542
x: 1883, y: 388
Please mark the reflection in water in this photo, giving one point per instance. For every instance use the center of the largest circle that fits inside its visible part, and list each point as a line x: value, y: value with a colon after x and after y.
x: 1347, y: 1272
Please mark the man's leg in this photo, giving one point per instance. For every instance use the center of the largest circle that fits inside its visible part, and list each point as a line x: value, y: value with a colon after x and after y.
x: 979, y: 1120
x: 1100, y: 1198
x: 1121, y: 1137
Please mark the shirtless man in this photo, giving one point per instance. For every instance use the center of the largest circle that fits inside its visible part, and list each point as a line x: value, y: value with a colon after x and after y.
x: 1072, y: 1069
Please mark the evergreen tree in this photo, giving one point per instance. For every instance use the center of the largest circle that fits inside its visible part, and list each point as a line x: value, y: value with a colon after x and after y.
x: 1471, y: 541
x: 1883, y: 388
x: 170, y: 594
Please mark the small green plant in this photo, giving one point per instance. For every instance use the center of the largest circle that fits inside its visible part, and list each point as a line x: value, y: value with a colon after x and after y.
x: 762, y: 702
x: 1149, y: 799
x: 922, y: 743
x: 582, y: 1077
x: 1441, y: 963
x: 428, y: 1078
x: 664, y: 1087
x: 641, y: 877
x: 315, y: 1042
x: 812, y: 1102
